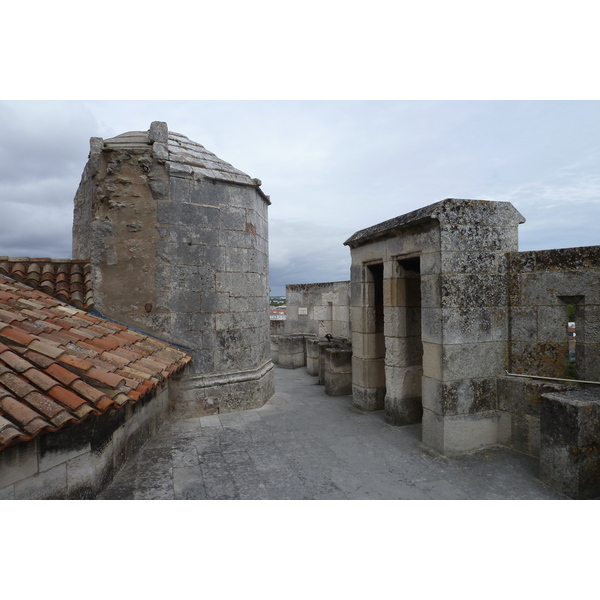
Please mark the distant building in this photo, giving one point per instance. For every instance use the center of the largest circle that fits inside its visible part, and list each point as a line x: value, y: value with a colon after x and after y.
x: 278, y: 313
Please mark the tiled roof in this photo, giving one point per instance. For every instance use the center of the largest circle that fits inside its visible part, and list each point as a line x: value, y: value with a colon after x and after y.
x: 67, y: 280
x: 60, y: 365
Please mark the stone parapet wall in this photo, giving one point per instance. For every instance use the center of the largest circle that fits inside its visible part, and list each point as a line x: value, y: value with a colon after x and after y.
x: 541, y: 286
x: 319, y: 309
x: 519, y: 410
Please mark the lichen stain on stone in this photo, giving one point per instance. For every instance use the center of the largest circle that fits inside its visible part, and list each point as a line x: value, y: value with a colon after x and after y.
x: 545, y: 359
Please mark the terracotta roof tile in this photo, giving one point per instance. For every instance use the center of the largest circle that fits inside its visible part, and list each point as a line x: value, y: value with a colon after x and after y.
x: 90, y: 393
x: 61, y: 374
x: 110, y: 379
x: 45, y: 348
x: 48, y: 408
x: 40, y: 360
x: 105, y: 403
x: 16, y: 363
x: 105, y: 343
x: 14, y: 334
x: 67, y: 397
x: 59, y: 365
x: 74, y: 363
x: 20, y: 387
x: 18, y: 411
x: 104, y: 365
x: 8, y: 432
x: 114, y: 359
x: 40, y: 379
x: 66, y: 277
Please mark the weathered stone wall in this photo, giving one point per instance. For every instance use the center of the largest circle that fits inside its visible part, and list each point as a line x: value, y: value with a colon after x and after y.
x: 318, y: 308
x: 541, y: 286
x: 178, y: 242
x: 519, y: 409
x: 79, y: 462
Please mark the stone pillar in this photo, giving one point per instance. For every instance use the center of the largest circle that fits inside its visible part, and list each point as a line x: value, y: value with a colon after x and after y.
x: 337, y: 376
x: 465, y: 324
x: 366, y: 318
x: 178, y: 242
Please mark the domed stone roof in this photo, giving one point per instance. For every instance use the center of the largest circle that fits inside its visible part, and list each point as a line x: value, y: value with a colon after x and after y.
x: 184, y: 155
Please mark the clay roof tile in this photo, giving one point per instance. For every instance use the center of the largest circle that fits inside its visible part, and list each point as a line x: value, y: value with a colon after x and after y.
x: 16, y: 335
x: 110, y: 379
x: 17, y: 411
x: 76, y: 365
x: 45, y: 405
x: 39, y: 379
x: 20, y: 387
x: 41, y: 360
x: 66, y: 397
x: 59, y: 365
x: 61, y: 374
x: 90, y: 393
x: 45, y: 348
x: 105, y: 403
x: 15, y: 362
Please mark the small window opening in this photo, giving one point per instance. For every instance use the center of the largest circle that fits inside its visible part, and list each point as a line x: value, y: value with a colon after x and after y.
x: 573, y: 318
x: 572, y: 337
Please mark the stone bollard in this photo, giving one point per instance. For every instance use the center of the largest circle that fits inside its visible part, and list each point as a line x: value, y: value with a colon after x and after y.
x: 338, y: 371
x: 313, y: 355
x: 291, y: 353
x: 275, y: 348
x: 570, y: 443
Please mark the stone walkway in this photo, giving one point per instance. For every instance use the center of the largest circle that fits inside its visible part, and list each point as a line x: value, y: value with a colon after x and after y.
x: 304, y: 444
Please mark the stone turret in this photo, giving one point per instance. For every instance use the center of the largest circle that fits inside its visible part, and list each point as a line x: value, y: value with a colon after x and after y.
x: 178, y: 243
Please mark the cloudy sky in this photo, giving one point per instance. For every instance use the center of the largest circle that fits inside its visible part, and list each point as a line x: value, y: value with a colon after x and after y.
x: 330, y: 167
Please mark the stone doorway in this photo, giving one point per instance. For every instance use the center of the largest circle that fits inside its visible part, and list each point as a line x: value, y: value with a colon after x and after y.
x: 404, y: 347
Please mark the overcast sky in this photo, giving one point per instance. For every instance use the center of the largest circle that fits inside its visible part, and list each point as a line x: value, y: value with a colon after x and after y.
x: 330, y: 167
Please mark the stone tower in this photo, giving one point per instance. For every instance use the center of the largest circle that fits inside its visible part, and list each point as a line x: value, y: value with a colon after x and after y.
x: 178, y: 244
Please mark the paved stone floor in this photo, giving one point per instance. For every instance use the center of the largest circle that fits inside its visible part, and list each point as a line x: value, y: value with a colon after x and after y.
x: 304, y: 444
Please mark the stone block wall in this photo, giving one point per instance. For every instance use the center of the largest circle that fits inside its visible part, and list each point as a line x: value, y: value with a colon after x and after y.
x: 77, y: 463
x: 319, y: 309
x: 519, y: 410
x: 541, y: 286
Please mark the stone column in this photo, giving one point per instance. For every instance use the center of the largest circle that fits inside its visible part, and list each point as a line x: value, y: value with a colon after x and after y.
x: 465, y: 339
x: 368, y: 366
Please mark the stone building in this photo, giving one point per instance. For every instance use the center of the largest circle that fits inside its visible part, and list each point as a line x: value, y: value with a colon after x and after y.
x: 162, y: 311
x: 452, y: 326
x: 177, y: 240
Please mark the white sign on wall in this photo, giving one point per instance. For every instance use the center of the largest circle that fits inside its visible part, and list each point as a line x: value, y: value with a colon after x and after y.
x: 302, y: 310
